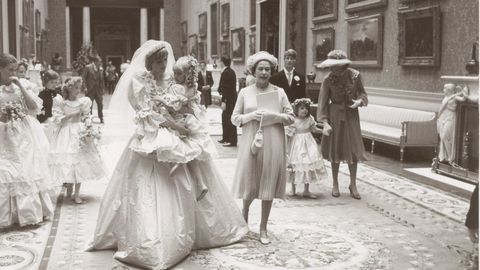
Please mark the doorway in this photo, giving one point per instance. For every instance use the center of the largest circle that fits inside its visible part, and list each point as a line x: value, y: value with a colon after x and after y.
x: 270, y: 26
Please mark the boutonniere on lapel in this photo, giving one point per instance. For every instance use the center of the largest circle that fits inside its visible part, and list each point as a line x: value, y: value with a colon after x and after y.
x: 296, y: 78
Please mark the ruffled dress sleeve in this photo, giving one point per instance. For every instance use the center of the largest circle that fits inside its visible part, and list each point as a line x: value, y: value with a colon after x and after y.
x: 38, y: 101
x: 57, y: 110
x: 312, y: 124
x: 85, y: 105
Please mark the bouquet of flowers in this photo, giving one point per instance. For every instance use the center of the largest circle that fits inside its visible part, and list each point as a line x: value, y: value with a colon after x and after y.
x: 12, y: 110
x: 89, y: 132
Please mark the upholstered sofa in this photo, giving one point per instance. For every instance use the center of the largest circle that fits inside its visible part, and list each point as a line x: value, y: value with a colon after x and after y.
x: 398, y: 126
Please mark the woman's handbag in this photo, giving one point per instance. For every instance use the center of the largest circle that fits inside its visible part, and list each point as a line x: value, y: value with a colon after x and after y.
x: 257, y: 143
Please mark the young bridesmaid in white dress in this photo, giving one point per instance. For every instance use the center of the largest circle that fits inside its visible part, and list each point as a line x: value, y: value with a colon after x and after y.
x: 74, y: 158
x: 25, y: 181
x: 304, y: 162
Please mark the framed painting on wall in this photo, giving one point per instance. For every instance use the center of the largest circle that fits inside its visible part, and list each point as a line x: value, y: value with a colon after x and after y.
x: 193, y: 45
x: 365, y: 41
x: 419, y: 37
x: 202, y: 24
x: 184, y: 31
x: 323, y: 43
x: 252, y: 44
x: 224, y: 48
x: 325, y: 10
x: 356, y: 5
x: 238, y: 44
x: 202, y: 51
x: 225, y: 19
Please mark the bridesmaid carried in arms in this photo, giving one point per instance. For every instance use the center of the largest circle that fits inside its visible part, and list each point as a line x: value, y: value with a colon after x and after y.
x: 24, y: 175
x: 74, y: 158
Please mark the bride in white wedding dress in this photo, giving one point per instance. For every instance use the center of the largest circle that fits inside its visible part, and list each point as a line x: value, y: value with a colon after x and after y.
x: 149, y: 212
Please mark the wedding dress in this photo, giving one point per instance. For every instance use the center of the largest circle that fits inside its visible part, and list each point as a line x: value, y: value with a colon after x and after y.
x: 150, y: 213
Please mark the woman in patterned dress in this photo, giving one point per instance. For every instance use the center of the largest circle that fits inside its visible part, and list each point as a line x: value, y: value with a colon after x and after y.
x: 341, y: 94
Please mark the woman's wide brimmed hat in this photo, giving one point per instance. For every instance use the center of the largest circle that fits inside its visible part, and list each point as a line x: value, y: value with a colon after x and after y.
x: 335, y: 58
x: 261, y: 55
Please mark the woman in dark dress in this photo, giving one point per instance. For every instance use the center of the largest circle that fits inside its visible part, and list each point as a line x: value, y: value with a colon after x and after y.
x: 341, y: 94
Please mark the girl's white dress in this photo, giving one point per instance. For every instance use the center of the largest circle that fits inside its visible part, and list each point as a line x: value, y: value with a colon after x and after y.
x: 71, y: 159
x: 24, y: 176
x: 167, y: 144
x: 304, y: 160
x: 150, y: 214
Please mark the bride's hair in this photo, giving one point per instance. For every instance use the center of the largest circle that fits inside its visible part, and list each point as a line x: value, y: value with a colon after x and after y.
x: 161, y: 53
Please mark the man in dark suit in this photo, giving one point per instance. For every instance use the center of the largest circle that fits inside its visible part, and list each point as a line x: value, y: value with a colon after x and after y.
x: 94, y: 82
x: 228, y: 89
x: 289, y: 79
x: 205, y: 83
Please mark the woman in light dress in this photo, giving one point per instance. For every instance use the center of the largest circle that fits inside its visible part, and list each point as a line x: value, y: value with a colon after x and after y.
x: 149, y: 213
x: 262, y: 175
x: 25, y: 181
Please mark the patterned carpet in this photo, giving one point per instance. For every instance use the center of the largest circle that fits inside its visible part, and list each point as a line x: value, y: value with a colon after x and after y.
x: 398, y: 224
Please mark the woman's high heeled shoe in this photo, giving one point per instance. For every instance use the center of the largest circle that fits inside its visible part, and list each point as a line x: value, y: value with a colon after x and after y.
x: 264, y: 238
x: 353, y: 195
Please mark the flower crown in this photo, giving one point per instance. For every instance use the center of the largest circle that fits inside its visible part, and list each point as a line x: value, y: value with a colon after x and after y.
x: 302, y: 101
x: 69, y: 83
x: 191, y: 73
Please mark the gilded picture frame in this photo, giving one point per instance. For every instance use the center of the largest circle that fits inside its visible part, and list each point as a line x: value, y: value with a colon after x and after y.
x: 184, y: 25
x: 202, y: 24
x: 365, y: 41
x: 238, y: 44
x: 325, y: 10
x: 358, y: 5
x: 323, y: 43
x: 224, y: 46
x: 225, y: 19
x: 193, y: 45
x: 419, y: 37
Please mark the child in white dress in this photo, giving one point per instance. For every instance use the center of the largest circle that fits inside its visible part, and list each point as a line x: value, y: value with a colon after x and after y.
x: 305, y: 161
x: 74, y: 158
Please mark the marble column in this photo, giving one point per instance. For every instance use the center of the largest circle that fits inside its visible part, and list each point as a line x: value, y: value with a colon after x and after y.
x: 282, y: 37
x: 68, y: 60
x: 162, y: 24
x: 86, y: 25
x: 5, y: 35
x: 143, y: 25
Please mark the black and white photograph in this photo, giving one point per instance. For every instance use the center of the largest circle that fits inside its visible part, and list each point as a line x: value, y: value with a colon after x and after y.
x: 239, y: 135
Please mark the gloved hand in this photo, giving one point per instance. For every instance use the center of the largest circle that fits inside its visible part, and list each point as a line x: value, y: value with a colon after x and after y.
x: 252, y: 116
x: 327, y: 129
